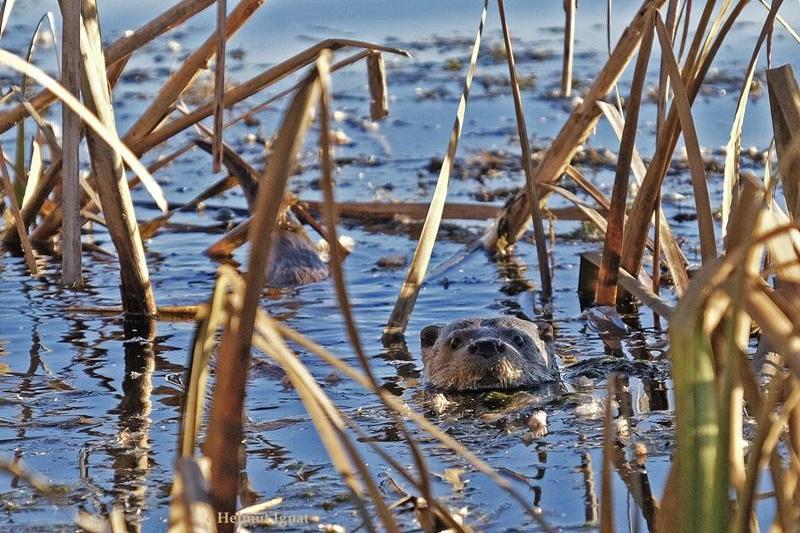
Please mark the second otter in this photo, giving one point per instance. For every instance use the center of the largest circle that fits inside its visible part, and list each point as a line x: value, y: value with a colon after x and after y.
x: 490, y: 353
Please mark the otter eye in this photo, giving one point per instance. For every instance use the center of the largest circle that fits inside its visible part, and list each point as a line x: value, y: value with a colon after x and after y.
x: 455, y: 342
x: 519, y: 340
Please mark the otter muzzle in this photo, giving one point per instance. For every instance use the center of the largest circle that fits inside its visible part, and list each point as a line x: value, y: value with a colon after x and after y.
x: 488, y: 348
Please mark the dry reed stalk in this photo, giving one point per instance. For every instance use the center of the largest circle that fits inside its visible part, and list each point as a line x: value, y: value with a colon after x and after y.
x: 116, y: 52
x: 404, y: 305
x: 378, y: 90
x: 570, y: 7
x: 22, y: 232
x: 784, y: 97
x: 160, y: 106
x: 219, y: 87
x: 71, y: 275
x: 694, y: 73
x: 606, y: 292
x: 136, y: 291
x: 104, y: 133
x: 190, y: 509
x: 527, y: 164
x: 512, y: 223
x: 330, y: 216
x: 251, y: 87
x: 664, y: 239
x: 225, y: 430
x: 370, y: 211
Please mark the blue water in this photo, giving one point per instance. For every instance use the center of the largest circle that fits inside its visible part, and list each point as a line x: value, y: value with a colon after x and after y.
x: 99, y: 415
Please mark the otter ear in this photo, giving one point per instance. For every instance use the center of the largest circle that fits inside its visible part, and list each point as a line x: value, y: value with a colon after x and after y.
x: 428, y: 335
x: 545, y: 331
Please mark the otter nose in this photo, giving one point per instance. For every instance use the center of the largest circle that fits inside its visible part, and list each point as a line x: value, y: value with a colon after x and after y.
x: 487, y: 348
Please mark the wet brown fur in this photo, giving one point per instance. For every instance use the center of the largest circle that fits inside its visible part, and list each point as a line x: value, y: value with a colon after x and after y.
x: 293, y: 258
x: 455, y: 359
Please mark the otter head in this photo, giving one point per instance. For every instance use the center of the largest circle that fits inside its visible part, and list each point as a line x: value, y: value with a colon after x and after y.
x: 480, y: 354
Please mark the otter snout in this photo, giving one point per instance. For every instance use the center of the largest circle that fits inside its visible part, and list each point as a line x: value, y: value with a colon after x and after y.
x: 488, y: 348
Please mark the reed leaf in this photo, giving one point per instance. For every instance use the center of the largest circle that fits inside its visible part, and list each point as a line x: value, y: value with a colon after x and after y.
x: 404, y: 305
x: 337, y: 258
x: 117, y: 52
x: 22, y: 231
x: 735, y: 139
x: 705, y: 220
x: 5, y: 14
x: 108, y: 136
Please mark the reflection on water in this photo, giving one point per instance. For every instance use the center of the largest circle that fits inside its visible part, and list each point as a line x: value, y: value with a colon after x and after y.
x: 94, y: 403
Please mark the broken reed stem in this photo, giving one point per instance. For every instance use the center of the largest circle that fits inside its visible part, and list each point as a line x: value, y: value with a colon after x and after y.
x: 71, y: 275
x: 22, y: 231
x: 419, y: 264
x: 379, y: 95
x: 219, y: 89
x: 527, y: 164
x: 784, y: 98
x: 606, y: 292
x: 570, y: 7
x: 116, y: 52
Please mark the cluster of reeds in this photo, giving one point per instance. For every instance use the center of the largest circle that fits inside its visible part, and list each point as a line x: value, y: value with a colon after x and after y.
x: 720, y: 307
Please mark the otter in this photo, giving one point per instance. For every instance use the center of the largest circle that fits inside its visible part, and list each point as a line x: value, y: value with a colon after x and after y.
x: 474, y: 354
x: 293, y: 259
